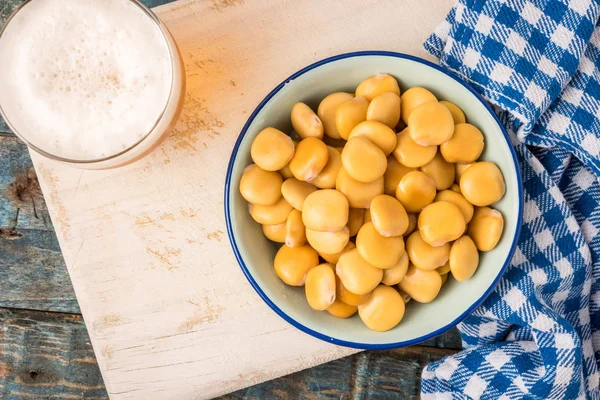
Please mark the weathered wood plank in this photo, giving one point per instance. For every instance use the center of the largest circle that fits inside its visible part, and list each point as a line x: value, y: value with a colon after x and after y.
x: 33, y: 274
x: 49, y: 356
x: 32, y: 271
x: 3, y: 127
x: 22, y: 204
x: 46, y: 356
x: 368, y: 375
x: 449, y: 340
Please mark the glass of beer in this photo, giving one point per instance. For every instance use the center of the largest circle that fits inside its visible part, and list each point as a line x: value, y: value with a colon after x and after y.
x: 93, y: 83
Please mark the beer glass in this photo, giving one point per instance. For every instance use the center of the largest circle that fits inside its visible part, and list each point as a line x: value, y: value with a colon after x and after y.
x: 93, y: 83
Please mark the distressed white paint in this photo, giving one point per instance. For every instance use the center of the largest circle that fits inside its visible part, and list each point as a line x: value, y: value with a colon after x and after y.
x: 168, y: 310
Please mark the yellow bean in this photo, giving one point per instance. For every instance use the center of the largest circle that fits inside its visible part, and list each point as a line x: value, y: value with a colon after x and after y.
x: 444, y: 269
x: 381, y: 135
x: 349, y: 114
x: 482, y: 184
x: 415, y: 191
x: 261, y: 187
x: 388, y: 215
x: 465, y: 146
x: 422, y: 286
x: 457, y: 114
x: 292, y: 263
x: 394, y: 172
x: 359, y: 194
x: 342, y: 310
x: 393, y: 276
x: 430, y: 124
x: 376, y: 85
x: 272, y: 149
x: 363, y: 160
x: 486, y: 228
x: 320, y: 287
x: 310, y: 159
x: 413, y: 98
x: 347, y: 296
x: 357, y: 275
x: 384, y: 310
x: 459, y: 170
x: 464, y: 259
x: 424, y: 256
x: 355, y: 220
x: 295, y: 231
x: 326, y: 178
x: 441, y: 171
x: 410, y: 154
x: 326, y: 211
x: 459, y: 201
x: 412, y: 224
x: 456, y: 188
x: 333, y: 258
x: 271, y: 215
x: 441, y: 222
x: 305, y: 122
x: 326, y: 112
x: 295, y: 192
x: 379, y: 251
x: 328, y: 242
x: 385, y: 108
x: 275, y: 233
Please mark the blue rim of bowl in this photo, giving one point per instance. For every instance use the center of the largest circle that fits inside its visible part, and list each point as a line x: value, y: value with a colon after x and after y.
x: 305, y: 329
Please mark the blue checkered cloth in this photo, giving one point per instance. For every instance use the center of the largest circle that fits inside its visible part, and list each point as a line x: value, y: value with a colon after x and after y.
x: 537, y: 336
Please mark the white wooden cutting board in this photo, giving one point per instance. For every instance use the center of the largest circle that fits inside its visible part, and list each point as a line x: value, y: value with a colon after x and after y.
x: 168, y: 310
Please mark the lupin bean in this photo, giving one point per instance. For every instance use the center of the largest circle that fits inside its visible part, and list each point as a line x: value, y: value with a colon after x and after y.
x: 363, y: 160
x: 260, y: 187
x: 430, y: 124
x: 293, y: 263
x: 422, y: 286
x: 320, y: 287
x: 486, y: 228
x: 384, y: 309
x: 376, y: 85
x: 326, y: 112
x: 413, y: 98
x: 379, y: 251
x: 305, y: 122
x: 272, y: 149
x: 356, y: 274
x: 482, y: 184
x: 310, y: 159
x: 349, y: 114
x: 385, y: 108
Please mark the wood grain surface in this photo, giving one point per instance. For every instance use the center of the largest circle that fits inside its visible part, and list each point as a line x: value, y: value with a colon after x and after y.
x: 49, y: 356
x: 224, y: 87
x: 32, y: 270
x: 33, y: 276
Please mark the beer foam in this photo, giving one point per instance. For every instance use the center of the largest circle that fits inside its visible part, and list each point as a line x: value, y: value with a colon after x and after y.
x: 83, y: 79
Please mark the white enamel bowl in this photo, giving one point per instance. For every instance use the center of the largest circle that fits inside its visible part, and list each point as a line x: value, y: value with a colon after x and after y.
x: 255, y: 253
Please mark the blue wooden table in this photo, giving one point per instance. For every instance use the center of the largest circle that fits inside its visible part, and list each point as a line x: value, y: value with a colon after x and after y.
x: 45, y: 352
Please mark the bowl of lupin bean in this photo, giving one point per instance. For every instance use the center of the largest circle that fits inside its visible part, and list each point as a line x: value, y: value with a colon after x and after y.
x: 373, y: 200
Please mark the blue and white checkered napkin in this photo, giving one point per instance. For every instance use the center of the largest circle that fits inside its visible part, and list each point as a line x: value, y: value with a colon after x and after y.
x: 538, y: 334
